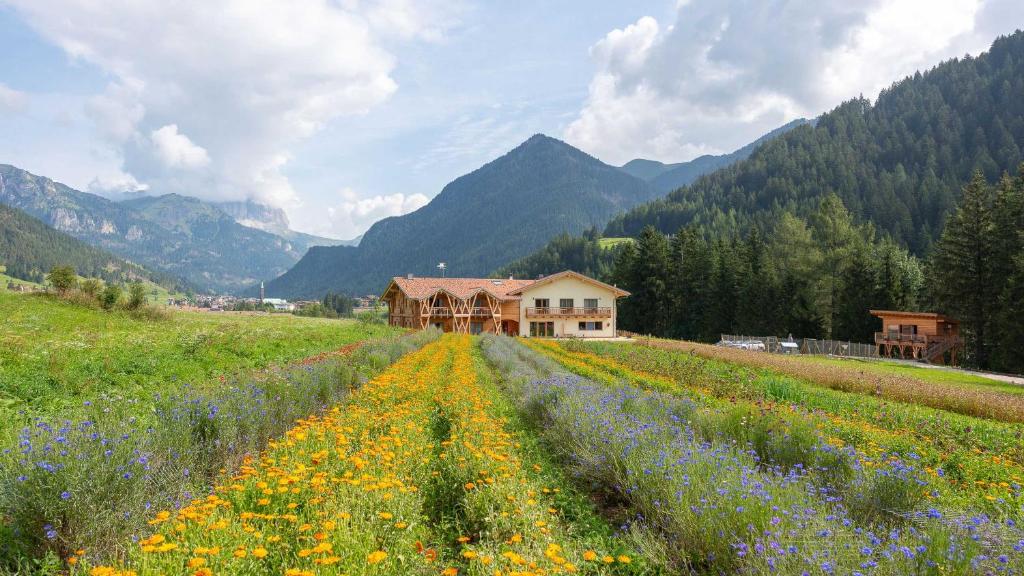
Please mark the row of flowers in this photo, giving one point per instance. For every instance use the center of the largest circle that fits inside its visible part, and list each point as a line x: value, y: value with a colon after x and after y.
x: 723, y: 510
x: 80, y: 490
x: 416, y: 472
x: 966, y: 476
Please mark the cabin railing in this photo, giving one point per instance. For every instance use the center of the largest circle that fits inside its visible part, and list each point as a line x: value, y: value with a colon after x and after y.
x: 587, y: 312
x: 922, y: 339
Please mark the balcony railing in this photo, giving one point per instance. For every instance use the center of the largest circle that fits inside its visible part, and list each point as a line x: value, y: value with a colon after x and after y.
x: 446, y: 312
x: 440, y: 311
x: 922, y: 339
x: 569, y: 312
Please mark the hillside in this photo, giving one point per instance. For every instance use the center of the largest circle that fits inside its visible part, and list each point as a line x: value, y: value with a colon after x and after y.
x: 502, y: 211
x: 29, y: 249
x: 899, y: 163
x: 178, y: 235
x: 668, y: 177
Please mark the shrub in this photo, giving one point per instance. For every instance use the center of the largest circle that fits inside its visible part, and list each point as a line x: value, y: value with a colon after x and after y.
x: 92, y: 286
x: 62, y: 278
x: 111, y: 296
x: 136, y: 296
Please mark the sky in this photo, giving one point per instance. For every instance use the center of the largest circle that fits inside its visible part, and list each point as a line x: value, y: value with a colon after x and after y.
x: 343, y: 112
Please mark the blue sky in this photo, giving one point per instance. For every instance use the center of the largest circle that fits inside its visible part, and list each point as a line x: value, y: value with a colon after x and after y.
x: 345, y: 111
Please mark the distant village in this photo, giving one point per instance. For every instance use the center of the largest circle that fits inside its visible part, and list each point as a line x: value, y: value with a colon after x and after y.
x: 228, y: 303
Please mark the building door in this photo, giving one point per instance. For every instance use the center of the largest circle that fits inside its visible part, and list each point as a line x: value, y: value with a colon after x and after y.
x: 542, y: 329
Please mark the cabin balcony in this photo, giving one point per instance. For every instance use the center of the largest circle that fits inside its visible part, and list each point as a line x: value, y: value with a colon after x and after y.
x: 557, y: 312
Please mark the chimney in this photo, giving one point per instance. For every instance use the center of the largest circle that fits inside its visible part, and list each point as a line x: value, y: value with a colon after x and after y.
x: 408, y: 276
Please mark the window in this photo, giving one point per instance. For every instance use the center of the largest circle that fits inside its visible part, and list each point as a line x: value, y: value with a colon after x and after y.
x: 590, y: 303
x: 590, y: 326
x: 476, y: 327
x: 542, y: 329
x: 542, y: 305
x: 566, y: 303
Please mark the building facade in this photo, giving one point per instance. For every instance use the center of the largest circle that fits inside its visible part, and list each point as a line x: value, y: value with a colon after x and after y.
x: 567, y: 304
x: 924, y: 336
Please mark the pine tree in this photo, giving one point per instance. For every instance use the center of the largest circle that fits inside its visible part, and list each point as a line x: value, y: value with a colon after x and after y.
x: 651, y: 278
x: 856, y: 297
x: 691, y: 261
x: 962, y: 267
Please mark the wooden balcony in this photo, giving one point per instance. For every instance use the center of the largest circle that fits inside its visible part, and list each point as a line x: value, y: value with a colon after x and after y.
x: 557, y: 312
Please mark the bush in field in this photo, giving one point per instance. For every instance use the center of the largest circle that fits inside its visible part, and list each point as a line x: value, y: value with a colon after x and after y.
x: 92, y: 286
x: 111, y: 296
x: 136, y: 296
x: 62, y: 278
x: 91, y: 482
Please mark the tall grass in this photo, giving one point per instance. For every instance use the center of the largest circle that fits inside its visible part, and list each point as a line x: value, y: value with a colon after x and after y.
x: 721, y: 509
x: 969, y: 400
x: 89, y: 482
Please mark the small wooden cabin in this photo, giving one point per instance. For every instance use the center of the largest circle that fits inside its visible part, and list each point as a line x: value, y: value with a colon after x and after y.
x: 925, y: 336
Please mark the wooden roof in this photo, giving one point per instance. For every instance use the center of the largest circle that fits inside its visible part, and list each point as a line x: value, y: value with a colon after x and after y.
x: 921, y: 315
x: 419, y: 288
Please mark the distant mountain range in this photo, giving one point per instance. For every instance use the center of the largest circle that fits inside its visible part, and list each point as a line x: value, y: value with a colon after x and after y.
x: 668, y: 177
x: 29, y: 249
x: 899, y: 164
x: 503, y: 211
x: 178, y: 235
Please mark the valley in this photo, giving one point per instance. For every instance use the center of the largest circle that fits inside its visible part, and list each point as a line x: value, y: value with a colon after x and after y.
x: 755, y: 306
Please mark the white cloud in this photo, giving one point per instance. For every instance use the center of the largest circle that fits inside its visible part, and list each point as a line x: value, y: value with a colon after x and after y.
x: 12, y: 100
x: 354, y: 215
x: 245, y: 81
x: 176, y: 150
x: 727, y: 71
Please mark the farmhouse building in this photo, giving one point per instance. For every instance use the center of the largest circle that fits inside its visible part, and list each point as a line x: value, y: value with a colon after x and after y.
x: 559, y: 305
x: 919, y: 336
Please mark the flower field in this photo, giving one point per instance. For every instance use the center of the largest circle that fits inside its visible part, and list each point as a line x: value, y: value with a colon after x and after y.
x: 876, y: 479
x: 418, y: 472
x: 488, y: 456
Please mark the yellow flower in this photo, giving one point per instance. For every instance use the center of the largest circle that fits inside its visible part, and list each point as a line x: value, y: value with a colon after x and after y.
x: 624, y: 559
x: 376, y: 557
x: 260, y: 552
x: 590, y: 555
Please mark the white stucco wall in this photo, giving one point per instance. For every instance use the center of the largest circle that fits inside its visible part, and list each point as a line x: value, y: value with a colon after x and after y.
x: 578, y: 291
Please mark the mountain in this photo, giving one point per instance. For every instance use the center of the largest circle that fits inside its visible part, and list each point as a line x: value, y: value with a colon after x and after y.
x: 29, y: 249
x: 181, y: 236
x: 899, y: 163
x: 504, y: 210
x: 668, y: 177
x: 275, y: 221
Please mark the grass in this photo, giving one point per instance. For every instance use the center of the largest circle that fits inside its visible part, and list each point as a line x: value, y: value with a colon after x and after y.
x: 966, y: 461
x: 728, y: 494
x: 91, y: 481
x: 934, y: 375
x: 999, y: 401
x: 55, y: 354
x: 5, y: 279
x: 420, y: 471
x: 607, y: 243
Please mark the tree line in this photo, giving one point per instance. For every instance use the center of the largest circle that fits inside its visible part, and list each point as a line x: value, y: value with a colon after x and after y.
x: 819, y: 277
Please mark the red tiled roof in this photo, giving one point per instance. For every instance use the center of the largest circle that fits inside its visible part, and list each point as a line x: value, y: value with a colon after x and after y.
x: 420, y: 288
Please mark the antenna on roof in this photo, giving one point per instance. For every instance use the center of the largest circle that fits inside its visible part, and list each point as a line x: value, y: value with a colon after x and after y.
x: 442, y: 267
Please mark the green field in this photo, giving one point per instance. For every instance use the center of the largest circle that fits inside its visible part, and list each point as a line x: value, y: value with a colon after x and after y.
x: 54, y: 354
x: 935, y: 375
x: 607, y: 243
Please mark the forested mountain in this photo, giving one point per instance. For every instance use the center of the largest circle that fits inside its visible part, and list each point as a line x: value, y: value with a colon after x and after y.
x: 29, y: 249
x: 668, y: 177
x: 506, y: 209
x: 899, y: 163
x: 178, y: 235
